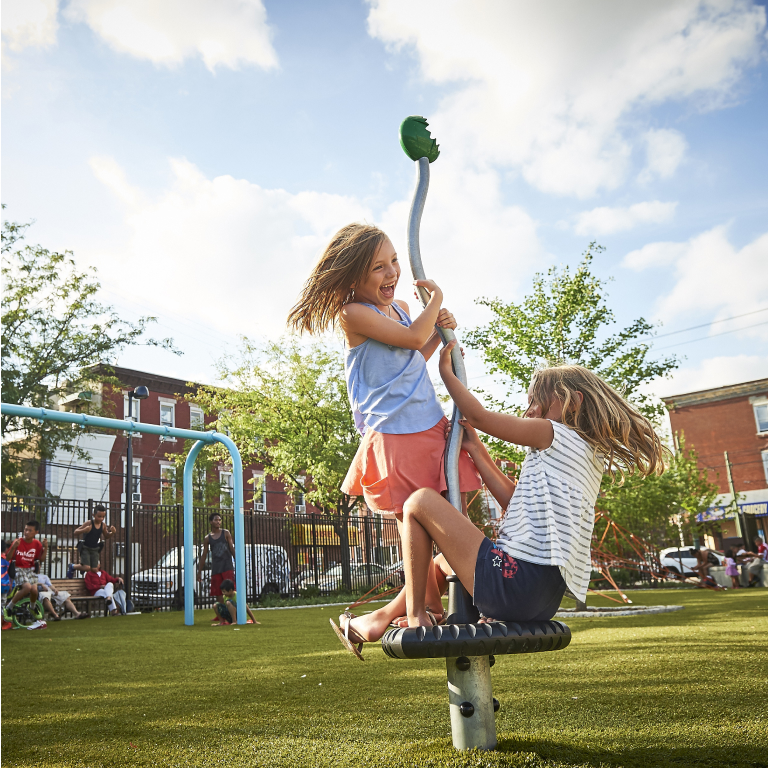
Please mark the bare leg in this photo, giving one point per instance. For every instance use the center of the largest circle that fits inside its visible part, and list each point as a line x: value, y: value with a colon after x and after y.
x: 429, y: 517
x: 232, y: 611
x: 25, y: 589
x: 372, y: 626
x: 48, y: 606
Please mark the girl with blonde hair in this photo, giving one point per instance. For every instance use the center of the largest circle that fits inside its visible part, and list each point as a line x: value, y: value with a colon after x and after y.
x: 576, y: 428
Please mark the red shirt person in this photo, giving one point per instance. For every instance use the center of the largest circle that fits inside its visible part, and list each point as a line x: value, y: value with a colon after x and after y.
x: 23, y: 552
x: 101, y: 584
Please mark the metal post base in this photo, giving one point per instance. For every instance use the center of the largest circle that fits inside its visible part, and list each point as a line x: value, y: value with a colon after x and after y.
x: 473, y: 724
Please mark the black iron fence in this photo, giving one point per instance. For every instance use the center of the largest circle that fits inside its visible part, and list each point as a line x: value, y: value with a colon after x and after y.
x: 289, y: 555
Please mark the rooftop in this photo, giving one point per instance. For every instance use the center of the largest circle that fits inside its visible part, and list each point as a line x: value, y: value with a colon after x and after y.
x: 731, y: 392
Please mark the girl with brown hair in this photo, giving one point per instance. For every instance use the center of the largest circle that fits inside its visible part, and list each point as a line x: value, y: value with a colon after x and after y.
x: 352, y: 287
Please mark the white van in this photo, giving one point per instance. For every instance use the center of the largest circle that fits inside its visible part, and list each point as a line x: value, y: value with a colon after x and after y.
x: 267, y: 571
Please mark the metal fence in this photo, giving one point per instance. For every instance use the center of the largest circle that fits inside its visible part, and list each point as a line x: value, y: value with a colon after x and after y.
x: 288, y: 555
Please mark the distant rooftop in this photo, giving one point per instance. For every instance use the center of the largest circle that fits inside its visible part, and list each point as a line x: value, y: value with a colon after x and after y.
x: 746, y: 389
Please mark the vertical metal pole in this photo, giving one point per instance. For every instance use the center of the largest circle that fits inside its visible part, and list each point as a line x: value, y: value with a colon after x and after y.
x: 314, y: 551
x: 189, y: 544
x: 128, y: 559
x: 178, y: 550
x: 741, y: 523
x: 472, y: 683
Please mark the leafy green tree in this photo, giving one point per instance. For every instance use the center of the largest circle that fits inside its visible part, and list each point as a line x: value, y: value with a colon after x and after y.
x: 661, y: 507
x: 53, y: 328
x: 286, y: 405
x: 565, y: 319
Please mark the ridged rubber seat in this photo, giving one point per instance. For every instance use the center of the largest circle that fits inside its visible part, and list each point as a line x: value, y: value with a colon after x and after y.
x: 494, y: 638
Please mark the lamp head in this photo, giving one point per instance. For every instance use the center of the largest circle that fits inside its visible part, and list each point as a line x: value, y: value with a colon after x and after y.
x: 140, y: 393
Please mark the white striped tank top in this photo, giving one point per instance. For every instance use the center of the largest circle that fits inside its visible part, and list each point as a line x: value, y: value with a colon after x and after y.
x: 551, y: 514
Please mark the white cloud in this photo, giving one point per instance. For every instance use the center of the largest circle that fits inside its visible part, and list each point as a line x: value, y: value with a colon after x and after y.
x: 226, y: 33
x: 235, y: 255
x: 665, y: 150
x: 222, y: 250
x: 556, y: 90
x: 29, y: 23
x: 607, y: 221
x: 710, y: 373
x: 709, y: 274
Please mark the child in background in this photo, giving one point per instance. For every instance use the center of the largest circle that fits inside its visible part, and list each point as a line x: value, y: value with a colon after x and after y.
x: 395, y: 407
x: 731, y: 569
x: 228, y: 609
x: 95, y: 531
x: 576, y: 427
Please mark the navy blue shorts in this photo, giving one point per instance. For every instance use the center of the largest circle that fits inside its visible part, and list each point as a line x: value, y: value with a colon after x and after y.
x: 509, y: 589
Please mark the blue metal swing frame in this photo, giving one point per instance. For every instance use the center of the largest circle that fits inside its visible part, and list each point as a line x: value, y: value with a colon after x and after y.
x: 202, y: 439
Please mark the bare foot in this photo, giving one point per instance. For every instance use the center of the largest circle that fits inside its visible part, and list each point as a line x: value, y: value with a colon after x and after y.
x: 369, y: 628
x: 420, y: 620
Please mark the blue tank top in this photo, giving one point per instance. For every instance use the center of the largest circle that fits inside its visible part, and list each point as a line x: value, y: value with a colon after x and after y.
x: 389, y: 387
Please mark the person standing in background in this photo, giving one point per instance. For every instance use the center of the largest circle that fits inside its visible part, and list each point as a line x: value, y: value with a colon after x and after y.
x: 222, y: 548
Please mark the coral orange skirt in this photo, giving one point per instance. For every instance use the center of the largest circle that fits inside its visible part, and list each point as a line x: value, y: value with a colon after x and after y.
x: 387, y: 469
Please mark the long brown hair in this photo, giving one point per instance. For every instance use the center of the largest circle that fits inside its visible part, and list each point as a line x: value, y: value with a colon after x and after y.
x: 345, y: 262
x: 616, y: 430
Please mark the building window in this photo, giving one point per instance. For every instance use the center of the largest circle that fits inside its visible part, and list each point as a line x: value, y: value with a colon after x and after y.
x: 765, y: 465
x: 196, y: 417
x: 135, y: 411
x: 227, y: 495
x: 259, y: 492
x: 167, y: 481
x: 135, y: 477
x: 167, y: 415
x: 761, y: 416
x: 299, y: 502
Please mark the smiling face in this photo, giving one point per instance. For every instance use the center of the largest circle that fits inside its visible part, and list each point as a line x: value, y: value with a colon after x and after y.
x: 379, y: 286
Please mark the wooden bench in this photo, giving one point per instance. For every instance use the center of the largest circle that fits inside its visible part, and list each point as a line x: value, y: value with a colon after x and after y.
x: 78, y: 594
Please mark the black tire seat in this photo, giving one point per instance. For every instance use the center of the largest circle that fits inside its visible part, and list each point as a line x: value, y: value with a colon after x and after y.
x: 487, y: 639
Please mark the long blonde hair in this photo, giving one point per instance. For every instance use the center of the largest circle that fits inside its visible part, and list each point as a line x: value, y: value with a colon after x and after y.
x: 616, y: 430
x: 345, y: 262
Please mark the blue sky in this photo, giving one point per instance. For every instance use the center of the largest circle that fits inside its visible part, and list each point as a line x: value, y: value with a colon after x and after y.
x: 200, y: 153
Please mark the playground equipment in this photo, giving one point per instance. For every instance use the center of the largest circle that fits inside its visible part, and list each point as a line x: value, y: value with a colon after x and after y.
x: 202, y: 439
x: 467, y: 645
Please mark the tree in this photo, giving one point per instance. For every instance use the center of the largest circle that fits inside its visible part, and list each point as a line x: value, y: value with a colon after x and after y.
x: 661, y: 508
x: 287, y: 406
x: 53, y: 328
x: 565, y: 319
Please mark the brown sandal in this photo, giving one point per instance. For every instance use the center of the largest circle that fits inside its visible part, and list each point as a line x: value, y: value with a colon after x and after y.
x: 355, y: 644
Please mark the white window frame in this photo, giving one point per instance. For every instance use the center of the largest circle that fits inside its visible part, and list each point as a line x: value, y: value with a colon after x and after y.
x: 194, y: 410
x: 136, y: 487
x: 167, y: 402
x: 765, y: 464
x: 166, y: 483
x: 259, y: 499
x: 761, y: 403
x: 136, y: 408
x: 300, y: 507
x: 230, y: 485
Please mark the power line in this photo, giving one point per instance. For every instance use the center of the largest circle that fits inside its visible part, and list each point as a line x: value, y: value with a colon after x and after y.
x: 711, y: 336
x: 705, y: 325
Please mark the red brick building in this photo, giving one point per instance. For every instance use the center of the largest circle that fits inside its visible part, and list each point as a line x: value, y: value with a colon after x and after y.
x: 102, y: 477
x: 731, y: 419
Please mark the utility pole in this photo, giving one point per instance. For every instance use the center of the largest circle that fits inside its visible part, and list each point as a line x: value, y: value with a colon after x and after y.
x: 741, y: 522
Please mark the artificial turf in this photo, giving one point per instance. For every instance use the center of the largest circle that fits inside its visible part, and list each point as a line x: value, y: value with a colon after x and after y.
x: 688, y: 688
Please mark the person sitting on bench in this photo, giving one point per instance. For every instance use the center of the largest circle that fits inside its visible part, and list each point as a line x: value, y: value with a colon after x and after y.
x: 100, y: 584
x: 48, y: 595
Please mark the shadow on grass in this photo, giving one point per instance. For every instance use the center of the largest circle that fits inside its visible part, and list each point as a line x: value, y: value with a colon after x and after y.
x: 638, y: 757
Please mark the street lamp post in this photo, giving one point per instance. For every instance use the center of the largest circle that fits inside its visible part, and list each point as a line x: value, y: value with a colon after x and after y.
x: 139, y: 393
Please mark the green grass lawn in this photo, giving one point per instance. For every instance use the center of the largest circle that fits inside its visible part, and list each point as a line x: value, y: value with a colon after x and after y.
x: 686, y: 689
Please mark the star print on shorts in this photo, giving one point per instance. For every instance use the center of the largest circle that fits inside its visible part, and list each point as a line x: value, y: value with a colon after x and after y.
x: 507, y: 564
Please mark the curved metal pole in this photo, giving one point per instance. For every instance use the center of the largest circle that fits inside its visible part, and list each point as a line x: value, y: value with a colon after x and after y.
x: 446, y: 335
x: 189, y: 544
x: 189, y: 557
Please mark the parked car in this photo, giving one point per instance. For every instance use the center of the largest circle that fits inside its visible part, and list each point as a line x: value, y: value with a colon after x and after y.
x: 267, y: 571
x: 673, y: 557
x: 364, y: 576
